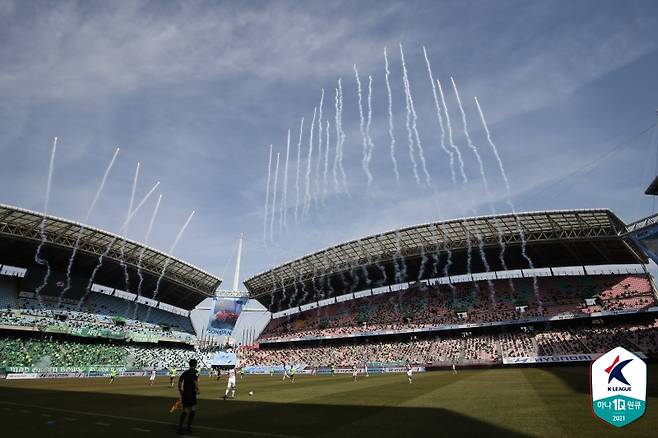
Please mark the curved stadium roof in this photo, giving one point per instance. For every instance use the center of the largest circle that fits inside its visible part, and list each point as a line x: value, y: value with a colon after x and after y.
x: 554, y: 238
x: 182, y: 284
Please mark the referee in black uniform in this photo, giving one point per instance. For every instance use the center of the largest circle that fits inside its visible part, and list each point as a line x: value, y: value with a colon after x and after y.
x: 188, y: 387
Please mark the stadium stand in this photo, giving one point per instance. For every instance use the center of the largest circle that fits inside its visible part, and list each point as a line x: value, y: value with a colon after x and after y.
x: 97, y: 312
x: 465, y: 303
x: 47, y: 352
x: 465, y: 348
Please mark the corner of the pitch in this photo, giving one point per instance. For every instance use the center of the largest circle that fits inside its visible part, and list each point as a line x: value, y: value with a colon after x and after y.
x: 618, y: 381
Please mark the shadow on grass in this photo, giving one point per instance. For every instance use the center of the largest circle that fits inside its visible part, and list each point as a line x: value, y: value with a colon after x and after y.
x: 577, y: 377
x: 42, y: 412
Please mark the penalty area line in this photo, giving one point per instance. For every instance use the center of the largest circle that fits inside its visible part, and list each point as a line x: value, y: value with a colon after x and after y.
x: 146, y: 420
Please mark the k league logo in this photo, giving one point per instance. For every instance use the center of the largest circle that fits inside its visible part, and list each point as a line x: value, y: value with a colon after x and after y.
x: 619, y: 387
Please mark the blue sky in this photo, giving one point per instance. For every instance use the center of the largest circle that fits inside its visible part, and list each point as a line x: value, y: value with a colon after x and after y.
x: 196, y: 92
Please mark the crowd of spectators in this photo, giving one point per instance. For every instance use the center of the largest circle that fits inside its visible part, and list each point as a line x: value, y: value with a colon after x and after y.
x: 48, y: 352
x: 466, y: 347
x: 63, y: 316
x: 467, y: 303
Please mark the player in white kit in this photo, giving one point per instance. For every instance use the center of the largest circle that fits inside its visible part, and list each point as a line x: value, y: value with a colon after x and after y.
x: 230, y: 385
x: 152, y: 378
x: 354, y: 373
x: 409, y: 373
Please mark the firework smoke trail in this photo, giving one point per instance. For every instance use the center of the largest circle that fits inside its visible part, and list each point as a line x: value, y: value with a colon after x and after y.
x: 423, y: 262
x: 304, y: 289
x: 451, y: 142
x: 446, y: 270
x: 307, y: 179
x: 272, y: 291
x: 451, y: 155
x: 97, y: 195
x: 355, y: 278
x: 99, y: 264
x: 283, y: 295
x: 141, y: 253
x: 299, y: 160
x: 501, y: 256
x: 400, y: 263
x: 305, y: 292
x: 337, y: 187
x: 42, y: 226
x: 382, y: 269
x: 509, y: 199
x: 342, y: 280
x: 414, y: 120
x: 275, y: 189
x: 294, y: 283
x: 390, y: 119
x: 283, y: 222
x: 293, y: 294
x: 410, y: 134
x: 371, y: 145
x: 171, y: 251
x: 267, y: 197
x: 126, y: 277
x: 469, y: 142
x: 487, y: 268
x: 485, y: 183
x: 341, y: 136
x: 364, y: 267
x: 362, y: 129
x: 436, y: 255
x: 326, y: 163
x: 320, y: 146
x: 329, y: 286
x: 469, y: 249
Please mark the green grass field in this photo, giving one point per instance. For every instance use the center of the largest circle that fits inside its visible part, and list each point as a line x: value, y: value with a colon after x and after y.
x: 510, y: 402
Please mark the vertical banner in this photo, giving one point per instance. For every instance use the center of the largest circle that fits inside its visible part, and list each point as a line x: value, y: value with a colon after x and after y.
x: 224, y: 314
x: 619, y: 387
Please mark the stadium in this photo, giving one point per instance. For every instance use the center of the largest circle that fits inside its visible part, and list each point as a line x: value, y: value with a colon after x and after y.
x: 443, y: 299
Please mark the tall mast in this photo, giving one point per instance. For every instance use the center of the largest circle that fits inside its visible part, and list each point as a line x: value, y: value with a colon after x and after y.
x: 236, y: 275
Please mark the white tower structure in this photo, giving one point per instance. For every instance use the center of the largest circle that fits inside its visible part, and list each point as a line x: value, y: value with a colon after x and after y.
x: 253, y: 317
x: 236, y: 274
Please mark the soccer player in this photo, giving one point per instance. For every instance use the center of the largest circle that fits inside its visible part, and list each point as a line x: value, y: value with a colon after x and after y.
x: 241, y: 373
x: 293, y: 370
x: 454, y: 371
x: 333, y: 369
x: 172, y: 376
x: 409, y: 373
x: 230, y: 386
x: 365, y: 369
x: 354, y: 373
x: 188, y: 387
x: 152, y: 378
x: 113, y: 375
x: 285, y: 373
x: 271, y: 371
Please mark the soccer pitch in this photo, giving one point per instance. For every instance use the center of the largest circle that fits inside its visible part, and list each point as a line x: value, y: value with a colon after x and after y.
x: 511, y: 402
